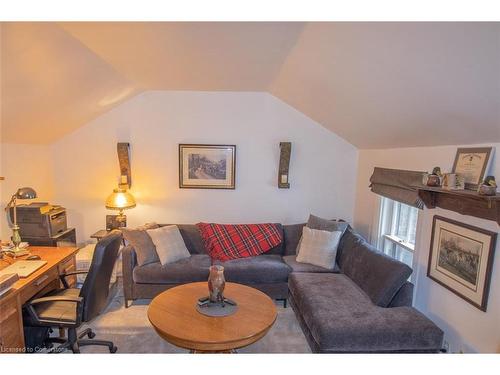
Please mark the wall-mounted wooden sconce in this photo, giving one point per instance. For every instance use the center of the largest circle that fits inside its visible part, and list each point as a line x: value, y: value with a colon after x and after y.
x: 285, y: 152
x: 123, y: 149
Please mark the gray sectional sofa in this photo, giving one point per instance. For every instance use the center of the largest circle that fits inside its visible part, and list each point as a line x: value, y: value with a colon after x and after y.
x: 363, y: 305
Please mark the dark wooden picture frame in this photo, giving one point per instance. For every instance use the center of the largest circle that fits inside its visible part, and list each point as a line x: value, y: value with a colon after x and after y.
x: 484, y: 265
x: 215, y: 166
x: 473, y: 185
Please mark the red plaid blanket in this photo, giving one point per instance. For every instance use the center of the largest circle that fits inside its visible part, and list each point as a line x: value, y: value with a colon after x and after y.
x: 224, y: 242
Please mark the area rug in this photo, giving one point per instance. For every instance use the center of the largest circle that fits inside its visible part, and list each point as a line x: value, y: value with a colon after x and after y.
x: 131, y: 332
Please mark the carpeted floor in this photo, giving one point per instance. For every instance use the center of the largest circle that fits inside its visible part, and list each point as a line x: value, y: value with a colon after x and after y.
x: 131, y: 332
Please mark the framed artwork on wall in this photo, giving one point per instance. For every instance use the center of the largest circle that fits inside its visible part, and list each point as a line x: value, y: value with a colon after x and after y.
x: 461, y: 259
x: 472, y: 164
x: 207, y: 166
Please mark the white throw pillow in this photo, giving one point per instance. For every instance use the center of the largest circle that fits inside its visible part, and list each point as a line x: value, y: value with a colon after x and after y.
x: 169, y: 244
x: 319, y: 247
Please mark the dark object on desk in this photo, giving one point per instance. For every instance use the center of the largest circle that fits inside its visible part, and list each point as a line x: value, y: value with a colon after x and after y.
x: 40, y: 219
x: 70, y: 307
x: 66, y: 238
x: 33, y: 257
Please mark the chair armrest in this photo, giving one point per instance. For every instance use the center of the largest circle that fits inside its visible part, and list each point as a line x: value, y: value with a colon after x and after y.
x: 129, y: 262
x: 34, y: 316
x: 63, y: 276
x: 56, y: 299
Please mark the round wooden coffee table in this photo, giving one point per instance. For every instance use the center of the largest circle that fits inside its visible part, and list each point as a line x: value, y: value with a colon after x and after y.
x: 173, y: 315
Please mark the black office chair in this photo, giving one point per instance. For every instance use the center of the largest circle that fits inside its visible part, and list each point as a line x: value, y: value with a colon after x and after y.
x: 69, y: 307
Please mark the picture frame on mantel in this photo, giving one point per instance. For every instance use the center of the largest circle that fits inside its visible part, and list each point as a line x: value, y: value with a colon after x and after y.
x: 461, y: 259
x: 203, y: 166
x: 472, y: 163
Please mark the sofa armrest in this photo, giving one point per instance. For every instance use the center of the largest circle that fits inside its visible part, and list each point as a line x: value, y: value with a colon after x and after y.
x: 404, y: 296
x: 129, y: 262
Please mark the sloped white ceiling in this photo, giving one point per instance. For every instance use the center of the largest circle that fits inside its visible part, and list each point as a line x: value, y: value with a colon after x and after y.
x: 375, y: 84
x: 382, y: 85
x: 192, y: 56
x: 52, y: 84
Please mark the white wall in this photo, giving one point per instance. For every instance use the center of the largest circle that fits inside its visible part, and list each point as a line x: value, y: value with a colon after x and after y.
x: 466, y: 328
x: 24, y: 165
x: 322, y: 168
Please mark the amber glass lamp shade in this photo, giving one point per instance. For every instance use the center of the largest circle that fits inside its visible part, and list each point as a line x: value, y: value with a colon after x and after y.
x: 120, y: 200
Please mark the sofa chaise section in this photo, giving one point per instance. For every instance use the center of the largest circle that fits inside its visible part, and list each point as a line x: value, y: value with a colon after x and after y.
x: 338, y: 317
x: 364, y: 308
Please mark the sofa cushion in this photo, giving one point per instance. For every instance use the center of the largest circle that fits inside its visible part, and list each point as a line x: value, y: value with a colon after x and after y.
x: 291, y: 261
x: 141, y: 241
x: 379, y: 275
x: 278, y: 249
x: 291, y: 235
x: 192, y: 238
x: 318, y: 247
x: 194, y: 268
x: 169, y: 244
x: 260, y: 269
x: 340, y: 317
x: 318, y: 223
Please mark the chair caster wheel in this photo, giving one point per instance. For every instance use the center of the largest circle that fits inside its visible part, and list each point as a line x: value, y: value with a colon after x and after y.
x: 113, y: 349
x: 91, y: 335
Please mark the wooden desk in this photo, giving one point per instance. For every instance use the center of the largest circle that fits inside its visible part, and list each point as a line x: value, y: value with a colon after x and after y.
x: 59, y: 260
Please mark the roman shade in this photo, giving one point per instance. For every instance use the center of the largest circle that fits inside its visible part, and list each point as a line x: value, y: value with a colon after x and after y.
x: 397, y: 184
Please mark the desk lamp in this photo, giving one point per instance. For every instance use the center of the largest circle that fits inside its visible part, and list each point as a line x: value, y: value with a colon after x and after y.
x: 22, y: 193
x: 120, y: 200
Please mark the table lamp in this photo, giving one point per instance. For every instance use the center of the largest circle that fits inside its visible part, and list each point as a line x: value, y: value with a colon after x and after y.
x: 120, y: 200
x: 22, y: 193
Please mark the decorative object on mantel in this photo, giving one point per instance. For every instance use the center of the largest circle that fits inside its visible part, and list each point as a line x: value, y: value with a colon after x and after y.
x: 207, y: 166
x: 472, y: 163
x: 123, y: 149
x: 434, y: 178
x: 216, y: 304
x: 285, y: 153
x: 21, y: 193
x: 453, y: 181
x: 461, y: 259
x: 465, y: 202
x: 488, y: 186
x: 120, y: 199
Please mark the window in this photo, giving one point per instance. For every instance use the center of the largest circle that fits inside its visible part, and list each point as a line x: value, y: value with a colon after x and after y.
x: 397, y: 230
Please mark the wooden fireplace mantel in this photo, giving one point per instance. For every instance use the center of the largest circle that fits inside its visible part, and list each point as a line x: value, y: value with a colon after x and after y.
x: 465, y: 202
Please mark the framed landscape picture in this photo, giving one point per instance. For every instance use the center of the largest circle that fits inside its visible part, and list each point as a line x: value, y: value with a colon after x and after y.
x: 472, y: 164
x: 461, y: 259
x: 207, y: 166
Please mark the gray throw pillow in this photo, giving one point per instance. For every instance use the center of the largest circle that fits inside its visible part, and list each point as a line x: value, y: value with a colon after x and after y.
x: 142, y: 243
x: 169, y: 244
x: 318, y: 223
